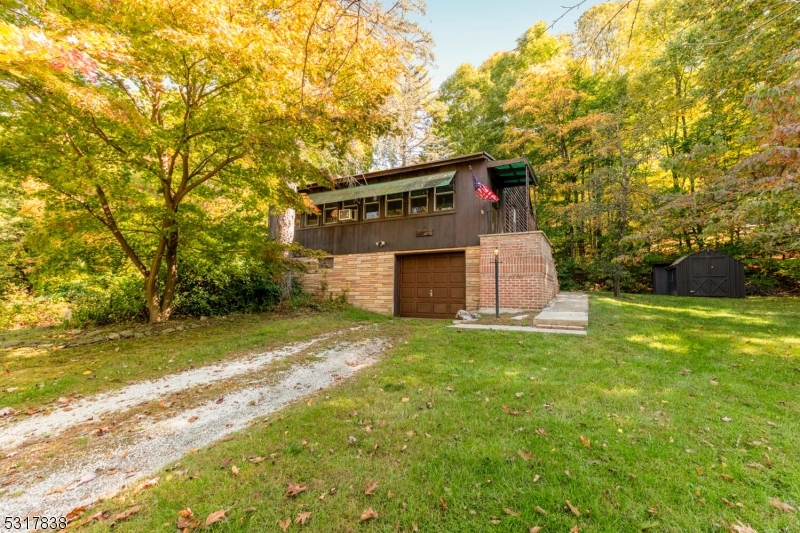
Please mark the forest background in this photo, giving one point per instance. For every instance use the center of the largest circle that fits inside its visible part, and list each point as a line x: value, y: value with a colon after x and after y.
x: 139, y: 155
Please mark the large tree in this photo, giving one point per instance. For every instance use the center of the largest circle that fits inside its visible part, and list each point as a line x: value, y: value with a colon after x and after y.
x: 152, y: 116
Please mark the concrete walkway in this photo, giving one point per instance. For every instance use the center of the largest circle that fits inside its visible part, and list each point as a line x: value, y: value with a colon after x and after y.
x: 567, y: 310
x: 524, y: 329
x: 568, y: 313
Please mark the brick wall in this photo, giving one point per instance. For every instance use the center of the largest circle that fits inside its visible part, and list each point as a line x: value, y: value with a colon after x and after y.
x: 527, y: 272
x: 368, y: 279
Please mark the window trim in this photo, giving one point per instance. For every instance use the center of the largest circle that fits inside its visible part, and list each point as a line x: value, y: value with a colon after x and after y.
x: 352, y: 205
x: 325, y: 208
x: 427, y: 202
x: 316, y: 224
x: 436, y: 198
x: 402, y: 200
x: 367, y: 201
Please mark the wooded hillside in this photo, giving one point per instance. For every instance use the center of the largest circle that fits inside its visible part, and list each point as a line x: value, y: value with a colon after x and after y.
x: 657, y: 128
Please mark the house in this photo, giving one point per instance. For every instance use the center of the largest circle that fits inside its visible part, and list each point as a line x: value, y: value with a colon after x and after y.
x: 417, y: 241
x: 707, y: 273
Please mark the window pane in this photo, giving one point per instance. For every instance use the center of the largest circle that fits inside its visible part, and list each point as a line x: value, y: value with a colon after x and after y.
x: 312, y: 219
x: 444, y: 202
x: 372, y: 210
x: 395, y: 196
x: 419, y: 205
x: 445, y: 188
x: 331, y: 214
x: 423, y: 192
x: 394, y: 208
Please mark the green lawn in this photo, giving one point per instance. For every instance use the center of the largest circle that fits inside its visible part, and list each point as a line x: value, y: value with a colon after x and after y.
x: 38, y: 376
x: 674, y: 414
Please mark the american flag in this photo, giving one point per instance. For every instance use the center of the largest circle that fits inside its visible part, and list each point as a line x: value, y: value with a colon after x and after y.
x: 482, y: 191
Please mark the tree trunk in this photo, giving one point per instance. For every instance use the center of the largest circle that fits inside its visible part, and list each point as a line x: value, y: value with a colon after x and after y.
x: 285, y: 236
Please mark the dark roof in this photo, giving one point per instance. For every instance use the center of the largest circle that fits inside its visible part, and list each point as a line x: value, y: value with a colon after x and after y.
x: 365, y: 177
x: 677, y: 261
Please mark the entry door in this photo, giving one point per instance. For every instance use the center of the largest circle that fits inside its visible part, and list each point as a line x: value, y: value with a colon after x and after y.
x: 432, y: 285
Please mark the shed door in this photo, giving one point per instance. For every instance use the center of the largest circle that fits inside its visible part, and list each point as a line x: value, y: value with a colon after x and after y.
x: 698, y: 283
x: 432, y: 285
x: 719, y: 276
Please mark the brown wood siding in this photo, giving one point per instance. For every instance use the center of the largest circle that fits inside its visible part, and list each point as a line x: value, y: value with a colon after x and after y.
x: 432, y: 285
x: 456, y: 229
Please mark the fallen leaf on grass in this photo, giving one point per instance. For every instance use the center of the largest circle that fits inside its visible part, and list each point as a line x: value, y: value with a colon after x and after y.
x: 235, y: 470
x: 126, y: 514
x: 226, y: 462
x: 368, y: 514
x: 369, y: 487
x: 652, y: 511
x: 535, y: 529
x: 738, y: 527
x: 449, y: 389
x: 96, y: 516
x: 511, y: 512
x: 541, y: 431
x: 256, y: 459
x: 780, y: 505
x: 540, y: 510
x: 75, y: 513
x: 284, y: 524
x: 714, y: 382
x: 302, y: 517
x: 526, y: 455
x: 575, y: 510
x: 294, y: 489
x: 443, y: 503
x: 575, y: 529
x: 215, y: 517
x: 519, y: 394
x: 767, y: 460
x: 726, y: 477
x: 536, y: 478
x: 147, y: 484
x: 404, y: 399
x: 586, y: 442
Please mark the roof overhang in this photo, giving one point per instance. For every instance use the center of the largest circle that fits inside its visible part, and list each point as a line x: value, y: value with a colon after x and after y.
x: 512, y: 172
x: 380, y: 189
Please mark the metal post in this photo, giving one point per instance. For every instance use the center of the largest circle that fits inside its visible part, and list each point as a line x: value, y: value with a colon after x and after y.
x: 496, y: 283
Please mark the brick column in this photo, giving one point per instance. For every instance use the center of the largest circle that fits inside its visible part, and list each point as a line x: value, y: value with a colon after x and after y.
x: 528, y: 277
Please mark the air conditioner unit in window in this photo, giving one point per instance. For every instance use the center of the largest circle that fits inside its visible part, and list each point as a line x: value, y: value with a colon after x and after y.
x: 347, y: 214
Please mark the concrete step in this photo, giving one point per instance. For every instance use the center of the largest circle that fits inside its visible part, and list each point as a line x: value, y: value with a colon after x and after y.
x: 561, y: 318
x: 567, y: 310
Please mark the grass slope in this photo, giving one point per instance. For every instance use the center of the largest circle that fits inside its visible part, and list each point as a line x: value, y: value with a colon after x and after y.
x: 38, y: 376
x: 630, y: 438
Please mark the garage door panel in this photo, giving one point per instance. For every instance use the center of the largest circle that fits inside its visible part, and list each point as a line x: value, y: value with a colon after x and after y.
x: 432, y: 286
x: 441, y: 308
x: 440, y: 278
x: 457, y: 277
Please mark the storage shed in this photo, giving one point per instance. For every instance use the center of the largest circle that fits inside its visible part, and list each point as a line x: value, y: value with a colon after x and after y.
x: 708, y: 273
